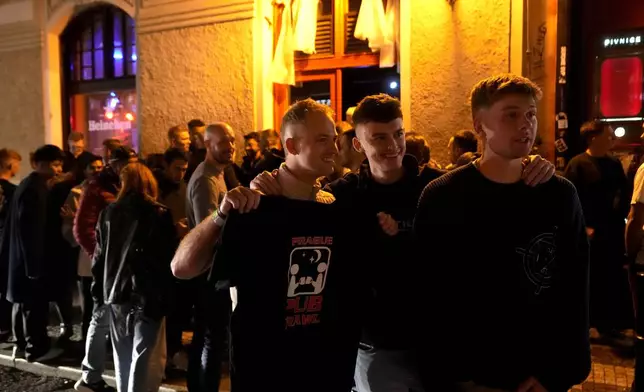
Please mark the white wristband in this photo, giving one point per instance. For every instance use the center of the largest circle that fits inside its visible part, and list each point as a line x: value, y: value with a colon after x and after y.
x: 219, y: 218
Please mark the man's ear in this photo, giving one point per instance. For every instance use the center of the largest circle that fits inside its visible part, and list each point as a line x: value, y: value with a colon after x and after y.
x: 290, y: 146
x: 478, y: 125
x: 357, y: 145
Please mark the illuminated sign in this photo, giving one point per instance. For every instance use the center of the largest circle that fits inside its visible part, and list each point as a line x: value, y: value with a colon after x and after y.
x: 622, y: 41
x: 113, y: 125
x: 562, y: 65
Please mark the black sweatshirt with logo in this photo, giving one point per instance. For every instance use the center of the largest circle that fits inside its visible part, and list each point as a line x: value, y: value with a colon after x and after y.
x: 506, y: 282
x: 393, y: 310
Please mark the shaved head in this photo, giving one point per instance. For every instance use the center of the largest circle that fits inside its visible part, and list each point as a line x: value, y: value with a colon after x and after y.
x: 219, y: 139
x: 217, y: 128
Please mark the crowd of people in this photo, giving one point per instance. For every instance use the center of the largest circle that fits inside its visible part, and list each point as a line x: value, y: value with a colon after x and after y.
x: 329, y: 257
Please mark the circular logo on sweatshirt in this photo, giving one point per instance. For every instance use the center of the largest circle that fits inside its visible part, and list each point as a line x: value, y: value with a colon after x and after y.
x: 538, y: 260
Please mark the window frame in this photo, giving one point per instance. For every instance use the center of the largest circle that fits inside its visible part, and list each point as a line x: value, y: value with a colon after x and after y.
x: 311, y: 65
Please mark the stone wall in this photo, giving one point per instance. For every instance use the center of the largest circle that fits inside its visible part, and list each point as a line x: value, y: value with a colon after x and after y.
x: 453, y: 47
x: 22, y: 126
x: 201, y: 72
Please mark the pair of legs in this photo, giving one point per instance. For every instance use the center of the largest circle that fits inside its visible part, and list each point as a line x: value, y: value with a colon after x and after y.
x: 29, y: 321
x: 611, y: 306
x: 208, y: 348
x: 179, y: 318
x: 139, y: 348
x: 65, y: 309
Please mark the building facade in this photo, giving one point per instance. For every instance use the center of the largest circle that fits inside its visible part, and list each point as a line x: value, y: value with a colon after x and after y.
x: 211, y: 59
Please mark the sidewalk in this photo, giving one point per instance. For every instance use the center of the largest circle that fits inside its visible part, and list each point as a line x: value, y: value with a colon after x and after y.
x: 68, y: 366
x: 613, y: 369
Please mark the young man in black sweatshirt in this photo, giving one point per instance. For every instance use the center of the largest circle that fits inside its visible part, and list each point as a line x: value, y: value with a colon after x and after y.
x: 508, y: 278
x: 389, y: 184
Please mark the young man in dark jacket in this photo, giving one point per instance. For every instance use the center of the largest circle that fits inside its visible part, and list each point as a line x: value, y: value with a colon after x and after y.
x: 172, y: 194
x: 27, y: 284
x: 9, y: 167
x: 508, y: 269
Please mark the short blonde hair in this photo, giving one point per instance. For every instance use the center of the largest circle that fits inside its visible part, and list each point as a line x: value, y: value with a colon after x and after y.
x: 296, y: 114
x: 488, y: 91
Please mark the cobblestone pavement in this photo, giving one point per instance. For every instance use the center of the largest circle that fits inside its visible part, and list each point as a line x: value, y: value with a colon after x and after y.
x: 612, y: 370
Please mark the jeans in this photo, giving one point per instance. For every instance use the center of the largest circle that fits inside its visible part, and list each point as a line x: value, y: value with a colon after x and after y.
x: 380, y: 370
x: 30, y: 327
x: 139, y: 349
x: 95, y: 351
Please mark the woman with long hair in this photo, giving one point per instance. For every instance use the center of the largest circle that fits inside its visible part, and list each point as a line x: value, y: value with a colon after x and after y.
x: 136, y: 240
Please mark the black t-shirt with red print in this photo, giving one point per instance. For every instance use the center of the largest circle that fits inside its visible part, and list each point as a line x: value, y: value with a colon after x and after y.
x: 301, y: 273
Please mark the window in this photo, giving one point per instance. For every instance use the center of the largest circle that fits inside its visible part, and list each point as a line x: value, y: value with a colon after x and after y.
x: 100, y: 44
x: 621, y: 87
x: 98, y: 48
x: 105, y: 115
x: 321, y: 75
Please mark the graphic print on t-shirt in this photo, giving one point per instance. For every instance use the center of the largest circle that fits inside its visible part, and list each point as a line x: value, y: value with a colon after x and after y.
x: 307, y: 270
x: 539, y: 259
x: 309, y: 264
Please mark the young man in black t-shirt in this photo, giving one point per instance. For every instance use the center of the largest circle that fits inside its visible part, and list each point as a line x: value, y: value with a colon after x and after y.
x: 509, y: 270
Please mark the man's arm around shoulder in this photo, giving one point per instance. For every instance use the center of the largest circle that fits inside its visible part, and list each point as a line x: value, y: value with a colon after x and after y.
x: 344, y: 186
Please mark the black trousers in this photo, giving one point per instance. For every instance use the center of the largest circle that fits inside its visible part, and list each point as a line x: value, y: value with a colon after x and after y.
x: 611, y: 305
x: 178, y: 320
x: 208, y: 349
x: 5, y: 315
x: 65, y: 304
x: 30, y: 327
x: 87, y: 302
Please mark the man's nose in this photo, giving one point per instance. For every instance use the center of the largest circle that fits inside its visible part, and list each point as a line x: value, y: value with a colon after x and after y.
x: 527, y: 121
